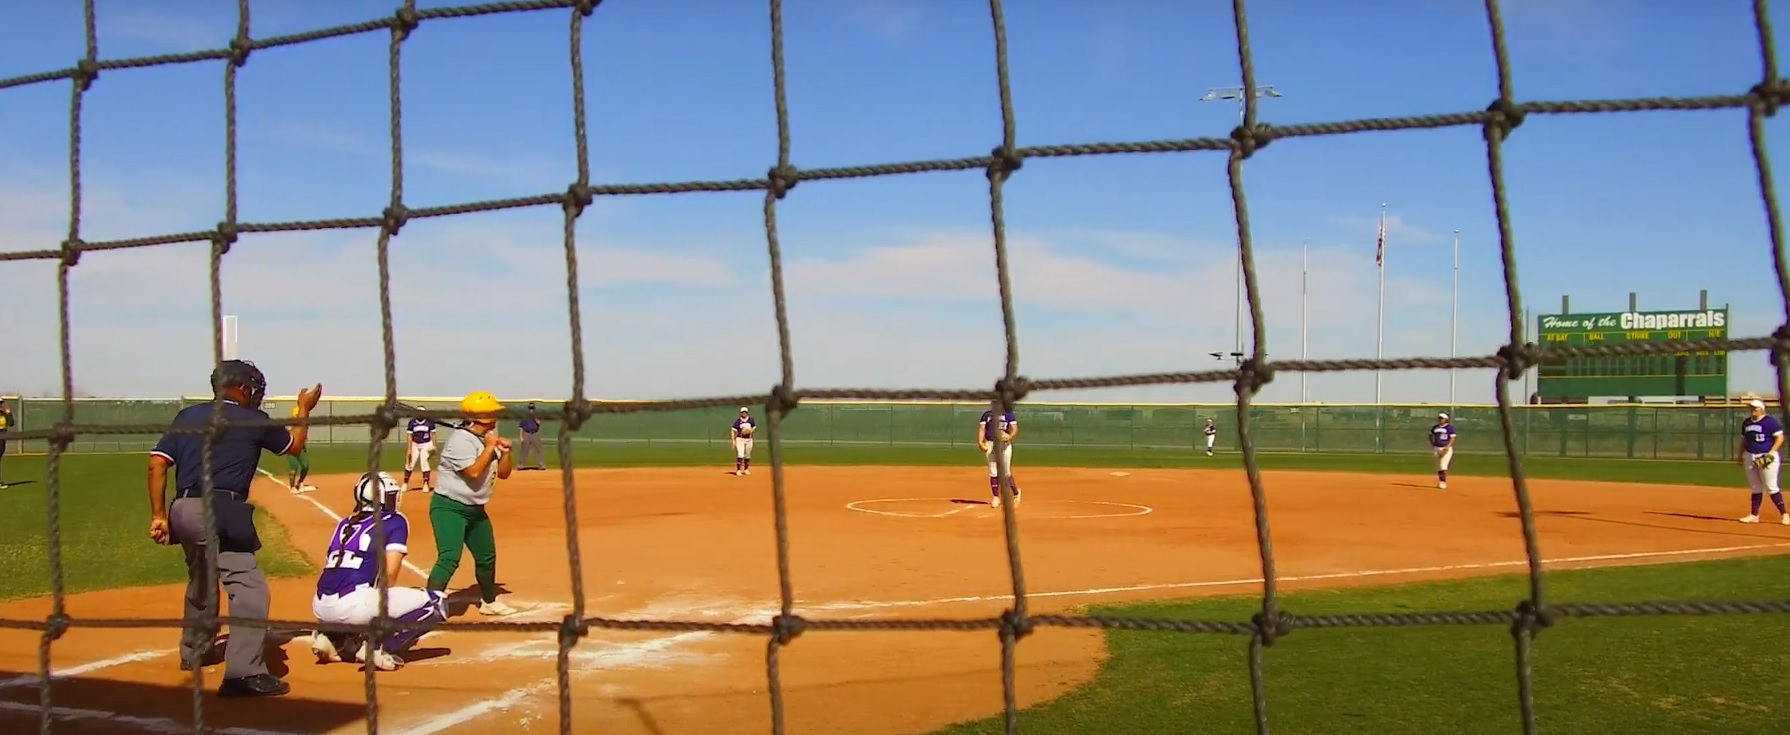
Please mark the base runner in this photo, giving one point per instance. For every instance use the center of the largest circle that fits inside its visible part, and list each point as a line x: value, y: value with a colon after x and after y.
x: 421, y: 446
x: 298, y: 467
x: 1761, y: 438
x: 348, y: 591
x: 1442, y: 445
x: 1006, y: 425
x: 741, y: 433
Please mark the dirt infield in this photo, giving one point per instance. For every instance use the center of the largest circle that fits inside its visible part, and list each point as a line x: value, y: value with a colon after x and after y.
x: 698, y: 544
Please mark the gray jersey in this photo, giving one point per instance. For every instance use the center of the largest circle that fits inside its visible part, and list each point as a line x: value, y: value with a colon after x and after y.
x: 461, y: 449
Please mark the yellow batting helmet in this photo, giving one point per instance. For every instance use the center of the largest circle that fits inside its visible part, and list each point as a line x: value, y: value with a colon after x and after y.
x: 480, y: 402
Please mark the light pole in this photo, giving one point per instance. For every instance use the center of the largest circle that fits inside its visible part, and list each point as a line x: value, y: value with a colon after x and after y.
x: 1237, y: 93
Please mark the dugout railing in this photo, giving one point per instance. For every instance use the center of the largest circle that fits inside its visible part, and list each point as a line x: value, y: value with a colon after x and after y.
x: 1638, y: 431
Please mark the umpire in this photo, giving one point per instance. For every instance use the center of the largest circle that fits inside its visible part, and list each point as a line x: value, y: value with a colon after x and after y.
x: 235, y: 455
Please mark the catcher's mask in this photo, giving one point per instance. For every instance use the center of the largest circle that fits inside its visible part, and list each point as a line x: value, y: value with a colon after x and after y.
x: 377, y: 492
x: 239, y: 374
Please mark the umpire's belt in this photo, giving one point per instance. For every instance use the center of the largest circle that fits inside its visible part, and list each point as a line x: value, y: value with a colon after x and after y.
x: 196, y: 492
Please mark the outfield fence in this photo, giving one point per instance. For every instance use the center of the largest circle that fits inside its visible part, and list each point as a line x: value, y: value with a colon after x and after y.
x: 1639, y: 431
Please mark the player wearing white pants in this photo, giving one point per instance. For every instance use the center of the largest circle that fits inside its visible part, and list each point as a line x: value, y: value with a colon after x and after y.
x: 1006, y: 426
x: 741, y: 433
x: 1761, y: 440
x: 347, y: 593
x: 1211, y: 436
x: 1442, y: 446
x: 419, y: 448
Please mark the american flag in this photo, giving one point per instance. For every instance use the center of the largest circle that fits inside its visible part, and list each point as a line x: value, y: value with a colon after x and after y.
x: 1380, y: 248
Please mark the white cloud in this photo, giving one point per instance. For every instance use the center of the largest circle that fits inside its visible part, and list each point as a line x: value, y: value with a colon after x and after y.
x: 327, y: 138
x: 893, y: 20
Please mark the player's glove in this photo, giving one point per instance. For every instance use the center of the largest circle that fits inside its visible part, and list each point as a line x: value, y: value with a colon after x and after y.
x: 1764, y: 460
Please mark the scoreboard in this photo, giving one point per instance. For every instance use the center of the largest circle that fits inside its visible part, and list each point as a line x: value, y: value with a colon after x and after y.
x: 1657, y: 375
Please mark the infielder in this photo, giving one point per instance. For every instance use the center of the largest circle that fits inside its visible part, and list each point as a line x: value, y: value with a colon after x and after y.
x: 473, y: 459
x: 422, y: 444
x: 348, y: 590
x: 1006, y: 425
x: 1761, y: 436
x: 5, y: 426
x: 298, y: 466
x: 741, y: 434
x: 1442, y: 445
x: 1211, y: 436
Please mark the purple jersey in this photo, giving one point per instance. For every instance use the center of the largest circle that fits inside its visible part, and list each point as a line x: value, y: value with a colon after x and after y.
x: 1757, y: 434
x: 990, y: 424
x: 744, y: 422
x: 422, y: 431
x: 351, y: 563
x: 1211, y: 430
x: 1441, y: 434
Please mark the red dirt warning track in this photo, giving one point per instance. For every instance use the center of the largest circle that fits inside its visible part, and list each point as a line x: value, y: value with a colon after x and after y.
x: 698, y: 544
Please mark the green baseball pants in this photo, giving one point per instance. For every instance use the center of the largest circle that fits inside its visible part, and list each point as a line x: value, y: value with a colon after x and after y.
x: 457, y: 526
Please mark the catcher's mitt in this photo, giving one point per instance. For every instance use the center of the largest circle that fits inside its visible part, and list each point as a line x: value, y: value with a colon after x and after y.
x: 1764, y: 460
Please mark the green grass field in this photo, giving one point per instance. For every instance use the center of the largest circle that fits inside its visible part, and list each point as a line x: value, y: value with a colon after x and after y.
x: 1651, y: 674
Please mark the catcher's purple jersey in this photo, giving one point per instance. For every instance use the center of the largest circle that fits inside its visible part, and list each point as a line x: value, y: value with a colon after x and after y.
x: 1759, y: 433
x: 351, y: 563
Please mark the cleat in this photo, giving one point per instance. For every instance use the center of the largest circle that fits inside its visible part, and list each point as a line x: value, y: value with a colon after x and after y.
x: 495, y: 608
x: 1749, y: 519
x: 259, y: 685
x: 380, y: 659
x: 1441, y: 486
x: 994, y: 502
x: 325, y: 649
x: 1784, y: 520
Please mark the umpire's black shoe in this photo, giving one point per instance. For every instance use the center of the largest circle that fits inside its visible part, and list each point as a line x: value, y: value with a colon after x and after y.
x: 259, y: 685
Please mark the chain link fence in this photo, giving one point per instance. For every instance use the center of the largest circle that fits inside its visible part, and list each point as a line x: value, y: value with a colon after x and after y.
x: 1526, y: 619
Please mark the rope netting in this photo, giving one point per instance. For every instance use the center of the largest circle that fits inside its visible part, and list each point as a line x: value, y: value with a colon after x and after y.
x: 1526, y: 620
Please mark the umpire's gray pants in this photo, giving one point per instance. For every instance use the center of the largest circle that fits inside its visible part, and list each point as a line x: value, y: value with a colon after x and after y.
x: 531, y: 446
x: 241, y: 577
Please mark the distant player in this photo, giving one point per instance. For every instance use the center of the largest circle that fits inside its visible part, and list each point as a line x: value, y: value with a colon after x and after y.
x: 422, y: 445
x: 5, y: 427
x: 1761, y: 438
x: 1006, y: 426
x: 741, y: 434
x: 348, y: 591
x: 1442, y: 445
x: 1211, y: 436
x: 298, y: 467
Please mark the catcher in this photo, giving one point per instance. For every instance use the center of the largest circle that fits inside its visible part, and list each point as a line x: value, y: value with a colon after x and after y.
x: 1761, y: 438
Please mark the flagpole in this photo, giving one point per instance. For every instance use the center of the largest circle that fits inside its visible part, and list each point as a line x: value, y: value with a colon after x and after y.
x: 1380, y: 320
x: 1304, y: 274
x: 1454, y: 316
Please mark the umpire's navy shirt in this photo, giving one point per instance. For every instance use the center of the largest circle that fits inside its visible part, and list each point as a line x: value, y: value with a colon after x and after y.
x: 234, y: 456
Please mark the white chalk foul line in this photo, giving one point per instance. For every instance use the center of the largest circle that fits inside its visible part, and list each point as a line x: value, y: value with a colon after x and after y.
x: 129, y: 658
x: 337, y: 517
x: 115, y: 722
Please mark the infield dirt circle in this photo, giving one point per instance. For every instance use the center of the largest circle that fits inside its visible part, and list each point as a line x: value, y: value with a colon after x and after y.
x: 698, y: 544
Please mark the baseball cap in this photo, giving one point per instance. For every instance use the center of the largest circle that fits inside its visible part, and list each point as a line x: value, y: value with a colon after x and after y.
x: 1755, y: 403
x: 743, y: 409
x: 1441, y: 415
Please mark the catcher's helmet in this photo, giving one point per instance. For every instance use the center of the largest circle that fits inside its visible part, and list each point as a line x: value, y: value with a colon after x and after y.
x: 240, y: 374
x: 377, y: 491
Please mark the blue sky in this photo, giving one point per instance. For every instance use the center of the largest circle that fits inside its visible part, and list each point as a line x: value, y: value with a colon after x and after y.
x: 1121, y: 264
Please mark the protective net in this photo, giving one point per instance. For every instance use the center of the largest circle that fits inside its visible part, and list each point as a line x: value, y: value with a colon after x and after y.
x: 1528, y: 618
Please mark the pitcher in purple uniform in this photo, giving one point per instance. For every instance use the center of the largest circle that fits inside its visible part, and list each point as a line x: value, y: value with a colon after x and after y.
x: 348, y: 592
x: 1006, y: 425
x: 742, y: 430
x: 422, y: 444
x: 1442, y: 445
x: 1761, y: 438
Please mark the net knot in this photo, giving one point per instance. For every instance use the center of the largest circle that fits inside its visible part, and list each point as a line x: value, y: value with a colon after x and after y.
x: 571, y: 630
x: 240, y: 47
x: 1271, y: 626
x: 1012, y: 391
x: 586, y: 7
x: 1769, y: 95
x: 1517, y: 359
x: 578, y: 197
x: 71, y: 252
x: 1252, y: 374
x: 224, y: 237
x: 1250, y: 140
x: 1502, y: 116
x: 1531, y: 619
x: 578, y: 411
x: 56, y: 625
x: 782, y: 178
x: 782, y: 400
x: 1003, y: 162
x: 403, y: 22
x: 62, y: 435
x: 385, y: 418
x: 86, y: 71
x: 1014, y: 625
x: 381, y: 628
x: 785, y: 628
x: 1780, y: 344
x: 394, y: 218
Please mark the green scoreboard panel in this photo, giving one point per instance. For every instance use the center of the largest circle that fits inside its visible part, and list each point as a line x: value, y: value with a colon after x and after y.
x: 1695, y: 373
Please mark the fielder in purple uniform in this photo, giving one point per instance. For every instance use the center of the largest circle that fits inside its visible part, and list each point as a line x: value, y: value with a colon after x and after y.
x: 1442, y: 445
x: 741, y: 433
x: 1006, y: 426
x: 1761, y: 437
x: 1211, y: 436
x: 348, y: 592
x: 422, y: 444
